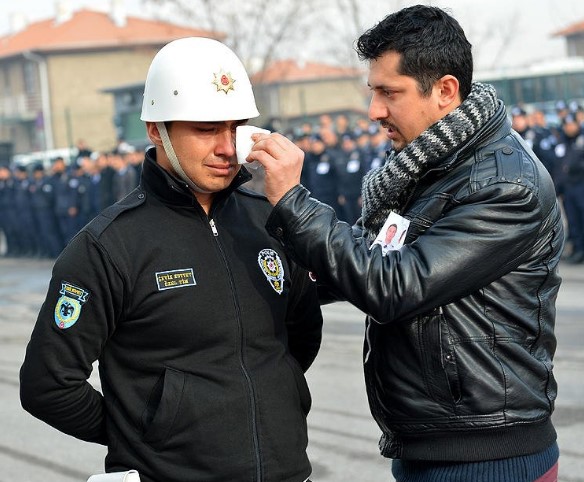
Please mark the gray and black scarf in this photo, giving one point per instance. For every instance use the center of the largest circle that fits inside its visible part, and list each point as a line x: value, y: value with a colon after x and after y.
x: 389, y: 187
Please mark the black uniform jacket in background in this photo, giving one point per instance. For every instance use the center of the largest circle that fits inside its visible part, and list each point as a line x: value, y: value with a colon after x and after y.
x: 460, y: 329
x: 202, y: 328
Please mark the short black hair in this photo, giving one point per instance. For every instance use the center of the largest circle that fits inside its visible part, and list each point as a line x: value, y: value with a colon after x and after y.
x: 431, y: 44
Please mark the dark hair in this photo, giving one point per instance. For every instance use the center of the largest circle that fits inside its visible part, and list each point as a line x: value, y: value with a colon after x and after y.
x: 431, y: 44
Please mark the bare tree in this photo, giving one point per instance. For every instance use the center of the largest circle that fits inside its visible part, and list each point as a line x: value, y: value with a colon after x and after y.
x: 259, y: 31
x: 346, y: 20
x: 493, y: 39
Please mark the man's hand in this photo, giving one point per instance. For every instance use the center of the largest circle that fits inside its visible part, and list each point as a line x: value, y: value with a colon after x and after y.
x: 282, y: 161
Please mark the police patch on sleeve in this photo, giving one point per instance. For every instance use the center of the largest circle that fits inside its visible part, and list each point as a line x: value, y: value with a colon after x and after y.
x: 69, y: 305
x: 273, y: 269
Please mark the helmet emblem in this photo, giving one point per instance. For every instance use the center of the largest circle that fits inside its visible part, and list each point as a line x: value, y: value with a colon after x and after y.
x: 223, y: 81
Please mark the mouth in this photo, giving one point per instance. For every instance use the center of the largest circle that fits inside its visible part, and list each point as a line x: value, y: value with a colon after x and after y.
x: 391, y: 132
x: 222, y: 169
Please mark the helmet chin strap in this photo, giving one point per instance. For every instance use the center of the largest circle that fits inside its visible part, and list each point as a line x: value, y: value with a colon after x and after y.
x: 174, y: 159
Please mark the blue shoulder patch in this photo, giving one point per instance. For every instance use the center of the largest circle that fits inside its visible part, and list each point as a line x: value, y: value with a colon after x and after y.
x: 68, y: 307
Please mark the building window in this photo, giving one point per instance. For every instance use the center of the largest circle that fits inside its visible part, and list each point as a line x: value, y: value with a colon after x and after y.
x: 6, y: 85
x: 30, y: 72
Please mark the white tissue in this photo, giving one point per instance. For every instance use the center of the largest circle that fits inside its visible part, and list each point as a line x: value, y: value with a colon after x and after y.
x: 243, y: 142
x: 129, y: 476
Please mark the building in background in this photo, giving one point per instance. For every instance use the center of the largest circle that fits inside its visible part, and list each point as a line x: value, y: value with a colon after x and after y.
x: 292, y: 93
x: 544, y: 84
x: 574, y: 36
x: 127, y: 101
x: 54, y: 73
x: 541, y: 85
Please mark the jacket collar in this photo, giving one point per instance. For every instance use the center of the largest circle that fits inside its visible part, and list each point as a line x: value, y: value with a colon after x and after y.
x: 172, y: 190
x: 497, y: 127
x: 498, y: 123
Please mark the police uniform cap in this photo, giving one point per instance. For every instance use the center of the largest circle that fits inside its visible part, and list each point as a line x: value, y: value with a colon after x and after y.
x: 300, y: 135
x: 517, y: 111
x: 574, y: 106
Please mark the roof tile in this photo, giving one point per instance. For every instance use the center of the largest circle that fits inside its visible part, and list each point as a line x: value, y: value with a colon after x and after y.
x: 573, y: 29
x: 92, y: 29
x: 290, y: 71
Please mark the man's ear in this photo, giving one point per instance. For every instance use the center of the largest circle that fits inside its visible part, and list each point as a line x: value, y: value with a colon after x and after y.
x: 449, y: 91
x: 153, y: 133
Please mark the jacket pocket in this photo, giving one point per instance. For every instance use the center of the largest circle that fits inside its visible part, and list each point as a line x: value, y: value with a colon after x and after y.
x: 301, y: 384
x: 162, y: 407
x: 439, y: 359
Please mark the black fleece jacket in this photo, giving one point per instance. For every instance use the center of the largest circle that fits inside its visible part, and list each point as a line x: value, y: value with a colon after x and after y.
x: 202, y: 328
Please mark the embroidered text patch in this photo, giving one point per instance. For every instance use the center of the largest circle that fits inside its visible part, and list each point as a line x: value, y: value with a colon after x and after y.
x: 176, y: 278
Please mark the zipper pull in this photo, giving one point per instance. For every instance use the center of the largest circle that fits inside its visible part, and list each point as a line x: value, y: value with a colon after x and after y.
x: 213, y: 227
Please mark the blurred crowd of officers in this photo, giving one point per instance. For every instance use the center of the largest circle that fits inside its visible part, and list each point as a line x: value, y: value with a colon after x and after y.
x: 42, y: 208
x: 560, y: 147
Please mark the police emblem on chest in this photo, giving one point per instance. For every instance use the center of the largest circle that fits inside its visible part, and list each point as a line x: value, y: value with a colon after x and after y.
x: 68, y: 307
x: 273, y: 269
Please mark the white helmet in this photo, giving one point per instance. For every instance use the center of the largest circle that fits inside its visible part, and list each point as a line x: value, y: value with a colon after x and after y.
x: 197, y: 79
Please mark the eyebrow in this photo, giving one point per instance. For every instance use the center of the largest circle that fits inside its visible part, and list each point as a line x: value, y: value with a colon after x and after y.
x: 377, y: 86
x: 217, y: 123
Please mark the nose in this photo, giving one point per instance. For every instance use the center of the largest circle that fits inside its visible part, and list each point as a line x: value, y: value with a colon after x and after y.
x: 377, y: 109
x: 225, y: 143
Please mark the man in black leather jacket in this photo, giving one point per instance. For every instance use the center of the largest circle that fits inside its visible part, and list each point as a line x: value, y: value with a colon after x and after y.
x: 460, y: 327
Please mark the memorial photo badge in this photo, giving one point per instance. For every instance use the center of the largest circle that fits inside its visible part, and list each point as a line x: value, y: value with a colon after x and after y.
x: 272, y: 267
x: 69, y: 305
x: 392, y: 234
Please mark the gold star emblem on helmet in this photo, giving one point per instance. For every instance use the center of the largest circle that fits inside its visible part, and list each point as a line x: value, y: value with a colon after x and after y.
x: 223, y: 81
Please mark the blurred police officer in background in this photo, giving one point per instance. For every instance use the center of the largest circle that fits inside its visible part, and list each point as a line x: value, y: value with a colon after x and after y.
x: 350, y: 168
x: 319, y: 172
x: 538, y: 137
x: 570, y: 180
x: 8, y: 219
x: 26, y: 238
x: 65, y: 199
x: 43, y: 206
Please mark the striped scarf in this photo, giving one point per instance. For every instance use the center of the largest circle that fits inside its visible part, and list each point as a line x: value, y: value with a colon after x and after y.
x: 389, y: 187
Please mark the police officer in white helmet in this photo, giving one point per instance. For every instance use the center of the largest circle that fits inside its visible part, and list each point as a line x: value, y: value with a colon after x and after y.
x: 202, y: 326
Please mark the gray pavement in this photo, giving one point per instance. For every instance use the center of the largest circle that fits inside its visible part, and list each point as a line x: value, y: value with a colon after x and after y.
x: 343, y: 437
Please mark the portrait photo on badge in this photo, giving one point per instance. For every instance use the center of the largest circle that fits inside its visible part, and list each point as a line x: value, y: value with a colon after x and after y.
x: 393, y: 233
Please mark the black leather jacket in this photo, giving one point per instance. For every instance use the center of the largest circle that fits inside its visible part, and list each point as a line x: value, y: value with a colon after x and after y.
x: 460, y: 328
